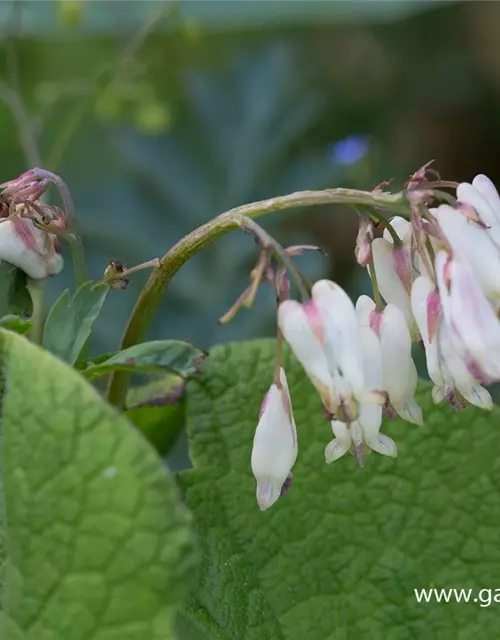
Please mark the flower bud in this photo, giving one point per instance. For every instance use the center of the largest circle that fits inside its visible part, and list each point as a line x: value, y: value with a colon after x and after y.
x: 363, y: 251
x: 275, y: 444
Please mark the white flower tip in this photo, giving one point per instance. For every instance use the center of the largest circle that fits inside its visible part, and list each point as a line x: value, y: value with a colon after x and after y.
x: 384, y: 445
x: 267, y: 493
x: 55, y: 264
x: 479, y: 397
x: 438, y: 394
x: 336, y: 449
x: 410, y: 411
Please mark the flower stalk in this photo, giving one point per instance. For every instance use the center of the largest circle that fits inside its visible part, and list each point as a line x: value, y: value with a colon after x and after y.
x: 152, y: 293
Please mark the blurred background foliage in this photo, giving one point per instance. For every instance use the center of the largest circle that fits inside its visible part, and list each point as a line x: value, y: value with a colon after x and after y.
x: 158, y: 123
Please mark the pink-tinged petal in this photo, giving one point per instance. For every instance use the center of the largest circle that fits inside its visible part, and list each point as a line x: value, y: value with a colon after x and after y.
x: 391, y: 287
x: 342, y: 332
x: 315, y: 320
x: 424, y: 306
x: 474, y: 245
x: 294, y: 322
x: 475, y: 320
x: 486, y: 210
x: 433, y: 314
x: 402, y: 264
x: 37, y: 264
x: 364, y: 308
x: 26, y: 231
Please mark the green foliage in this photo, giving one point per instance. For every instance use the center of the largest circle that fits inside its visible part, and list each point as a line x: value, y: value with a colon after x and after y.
x: 158, y: 355
x: 14, y: 297
x: 16, y: 324
x: 158, y: 410
x: 339, y: 556
x: 70, y: 320
x: 97, y: 543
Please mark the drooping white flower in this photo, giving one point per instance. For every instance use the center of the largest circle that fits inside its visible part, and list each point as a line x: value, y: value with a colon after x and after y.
x: 365, y: 429
x: 471, y: 243
x: 390, y: 284
x: 324, y: 336
x: 275, y: 444
x: 342, y: 343
x: 447, y: 370
x: 471, y: 320
x: 400, y: 373
x: 29, y: 248
x: 302, y: 328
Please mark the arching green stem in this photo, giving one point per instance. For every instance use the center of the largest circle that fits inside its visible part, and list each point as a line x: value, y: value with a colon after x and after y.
x: 152, y: 293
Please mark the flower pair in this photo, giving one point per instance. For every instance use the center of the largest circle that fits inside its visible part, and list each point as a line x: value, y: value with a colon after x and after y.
x: 359, y: 361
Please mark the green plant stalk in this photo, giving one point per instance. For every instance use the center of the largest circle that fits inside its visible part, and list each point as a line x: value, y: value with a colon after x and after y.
x: 36, y: 290
x: 152, y: 293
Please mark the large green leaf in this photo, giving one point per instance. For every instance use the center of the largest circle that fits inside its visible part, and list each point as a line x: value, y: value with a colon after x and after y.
x: 70, y: 320
x: 98, y: 546
x: 338, y: 556
x: 49, y: 18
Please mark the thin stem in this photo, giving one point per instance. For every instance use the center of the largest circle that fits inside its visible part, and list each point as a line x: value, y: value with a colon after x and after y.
x: 36, y: 290
x: 268, y: 242
x: 279, y: 358
x: 152, y: 293
x: 76, y: 246
x: 395, y: 238
x: 379, y: 305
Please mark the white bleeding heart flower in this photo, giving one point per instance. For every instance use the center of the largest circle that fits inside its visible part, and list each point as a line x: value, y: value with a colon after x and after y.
x: 471, y: 321
x: 471, y: 243
x: 447, y: 370
x: 29, y: 248
x: 275, y: 445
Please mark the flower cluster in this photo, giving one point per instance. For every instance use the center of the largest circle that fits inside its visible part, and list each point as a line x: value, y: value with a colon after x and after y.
x: 437, y: 272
